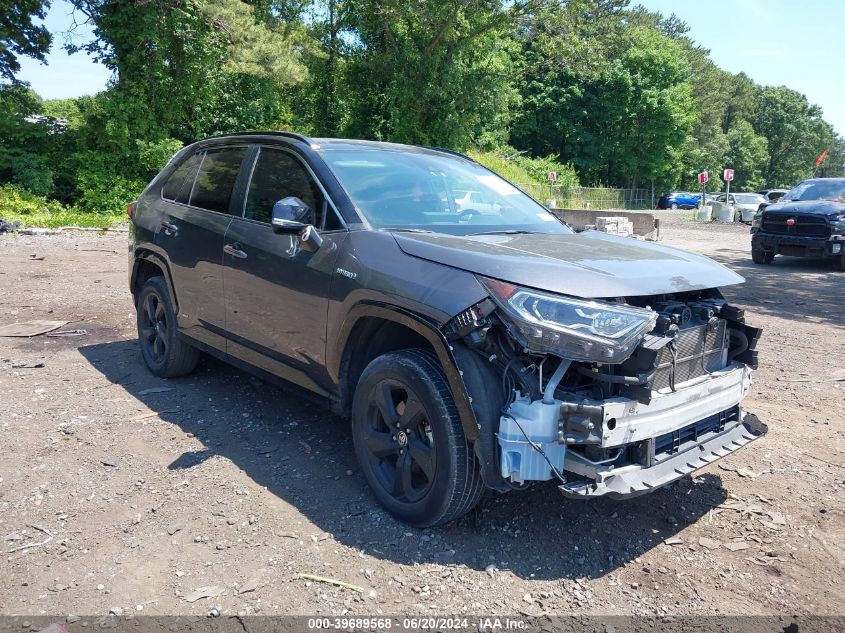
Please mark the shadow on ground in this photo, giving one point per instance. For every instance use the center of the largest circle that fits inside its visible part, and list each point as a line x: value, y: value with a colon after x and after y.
x: 302, y: 453
x: 789, y: 287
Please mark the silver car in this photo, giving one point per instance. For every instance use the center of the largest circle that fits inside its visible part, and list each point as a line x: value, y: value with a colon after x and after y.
x: 745, y: 205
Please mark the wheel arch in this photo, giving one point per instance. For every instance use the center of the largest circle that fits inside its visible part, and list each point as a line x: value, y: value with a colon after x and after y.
x: 148, y: 264
x: 373, y: 329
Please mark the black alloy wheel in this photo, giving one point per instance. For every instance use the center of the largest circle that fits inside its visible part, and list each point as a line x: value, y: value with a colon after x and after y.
x: 409, y: 440
x: 164, y: 352
x: 153, y: 327
x: 400, y: 442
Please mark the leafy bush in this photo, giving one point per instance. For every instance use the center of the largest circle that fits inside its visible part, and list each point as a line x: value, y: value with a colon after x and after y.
x: 19, y: 205
x: 106, y: 195
x: 16, y: 201
x: 153, y: 155
x: 530, y: 173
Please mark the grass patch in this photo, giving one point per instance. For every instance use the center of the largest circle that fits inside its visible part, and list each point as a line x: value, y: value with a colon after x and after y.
x: 65, y: 217
x: 19, y: 206
x: 506, y: 167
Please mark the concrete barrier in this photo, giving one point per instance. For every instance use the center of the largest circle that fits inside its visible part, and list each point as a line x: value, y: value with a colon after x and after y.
x: 645, y: 224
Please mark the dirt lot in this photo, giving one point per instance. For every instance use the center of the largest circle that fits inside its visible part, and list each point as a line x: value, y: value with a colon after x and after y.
x: 235, y: 486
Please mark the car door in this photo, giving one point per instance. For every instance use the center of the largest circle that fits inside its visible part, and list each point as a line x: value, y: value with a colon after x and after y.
x: 194, y: 219
x: 276, y: 293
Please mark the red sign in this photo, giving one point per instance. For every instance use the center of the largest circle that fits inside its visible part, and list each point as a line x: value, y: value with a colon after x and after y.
x: 552, y: 176
x: 729, y: 175
x: 703, y: 177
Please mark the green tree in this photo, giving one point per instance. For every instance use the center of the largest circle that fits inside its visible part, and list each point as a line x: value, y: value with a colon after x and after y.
x: 434, y: 73
x: 747, y: 154
x: 796, y: 135
x: 612, y: 99
x: 189, y: 68
x: 19, y: 36
x: 24, y: 139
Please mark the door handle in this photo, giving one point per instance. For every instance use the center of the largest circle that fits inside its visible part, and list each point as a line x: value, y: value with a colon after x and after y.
x: 234, y: 250
x: 169, y: 228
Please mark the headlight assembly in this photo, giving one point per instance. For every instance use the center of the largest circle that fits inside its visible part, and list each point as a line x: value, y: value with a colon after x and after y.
x: 837, y: 224
x: 593, y: 331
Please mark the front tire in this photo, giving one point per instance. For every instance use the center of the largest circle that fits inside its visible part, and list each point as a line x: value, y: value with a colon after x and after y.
x: 165, y: 354
x: 674, y: 206
x: 410, y: 442
x: 762, y: 257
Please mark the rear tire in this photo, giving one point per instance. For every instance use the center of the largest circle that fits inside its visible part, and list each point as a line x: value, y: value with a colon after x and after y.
x: 165, y: 354
x: 410, y: 442
x: 674, y: 206
x: 762, y: 257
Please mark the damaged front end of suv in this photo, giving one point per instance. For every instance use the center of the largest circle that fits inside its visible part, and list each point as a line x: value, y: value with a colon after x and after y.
x: 613, y: 397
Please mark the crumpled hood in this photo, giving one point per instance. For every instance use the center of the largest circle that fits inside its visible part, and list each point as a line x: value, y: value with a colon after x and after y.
x: 811, y: 207
x: 589, y: 264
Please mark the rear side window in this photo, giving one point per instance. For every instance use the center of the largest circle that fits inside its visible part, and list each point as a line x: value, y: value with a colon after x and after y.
x: 178, y: 186
x: 216, y: 179
x: 278, y: 175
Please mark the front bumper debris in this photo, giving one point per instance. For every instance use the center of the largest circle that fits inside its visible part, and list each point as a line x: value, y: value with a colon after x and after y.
x: 633, y: 480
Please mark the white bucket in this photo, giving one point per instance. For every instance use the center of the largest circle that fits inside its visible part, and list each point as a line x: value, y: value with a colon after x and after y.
x: 705, y: 214
x: 725, y: 213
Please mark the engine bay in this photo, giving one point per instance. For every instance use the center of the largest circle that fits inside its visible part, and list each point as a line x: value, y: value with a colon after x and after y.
x: 574, y: 419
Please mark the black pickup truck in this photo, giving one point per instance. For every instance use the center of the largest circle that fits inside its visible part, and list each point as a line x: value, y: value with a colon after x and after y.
x: 809, y: 221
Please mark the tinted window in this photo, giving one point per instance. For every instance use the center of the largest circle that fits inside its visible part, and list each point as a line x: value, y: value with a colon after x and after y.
x: 216, y: 179
x: 278, y: 175
x: 178, y: 186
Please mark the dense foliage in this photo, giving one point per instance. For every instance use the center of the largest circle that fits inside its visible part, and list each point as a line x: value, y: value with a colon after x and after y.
x: 597, y: 90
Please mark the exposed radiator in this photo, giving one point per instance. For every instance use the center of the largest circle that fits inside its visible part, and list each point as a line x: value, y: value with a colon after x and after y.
x: 699, y: 350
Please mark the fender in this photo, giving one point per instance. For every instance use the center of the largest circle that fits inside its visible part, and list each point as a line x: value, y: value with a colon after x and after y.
x: 428, y: 330
x: 160, y: 262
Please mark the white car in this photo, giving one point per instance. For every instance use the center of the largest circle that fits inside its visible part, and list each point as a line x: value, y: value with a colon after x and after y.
x: 479, y: 202
x: 746, y: 205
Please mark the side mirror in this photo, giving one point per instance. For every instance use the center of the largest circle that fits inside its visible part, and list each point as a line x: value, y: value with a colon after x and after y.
x: 291, y: 215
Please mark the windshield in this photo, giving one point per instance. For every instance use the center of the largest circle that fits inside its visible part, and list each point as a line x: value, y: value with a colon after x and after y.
x: 749, y: 199
x: 817, y: 190
x: 430, y: 192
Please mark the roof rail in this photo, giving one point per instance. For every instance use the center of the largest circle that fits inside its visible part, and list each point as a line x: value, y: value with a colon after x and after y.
x: 293, y: 135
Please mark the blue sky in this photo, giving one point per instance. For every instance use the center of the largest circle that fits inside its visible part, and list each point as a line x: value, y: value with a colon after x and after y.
x: 775, y: 42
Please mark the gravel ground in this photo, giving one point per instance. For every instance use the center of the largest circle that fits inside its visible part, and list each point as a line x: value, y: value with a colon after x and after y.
x: 170, y: 497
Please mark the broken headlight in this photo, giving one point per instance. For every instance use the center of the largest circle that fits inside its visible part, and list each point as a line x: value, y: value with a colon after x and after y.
x: 593, y: 331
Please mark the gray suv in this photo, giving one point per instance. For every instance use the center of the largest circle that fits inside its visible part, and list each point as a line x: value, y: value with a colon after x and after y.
x: 471, y: 348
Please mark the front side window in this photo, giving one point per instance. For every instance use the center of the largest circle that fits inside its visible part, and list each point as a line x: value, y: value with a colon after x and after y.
x: 278, y: 175
x: 435, y: 192
x: 178, y: 186
x: 215, y: 181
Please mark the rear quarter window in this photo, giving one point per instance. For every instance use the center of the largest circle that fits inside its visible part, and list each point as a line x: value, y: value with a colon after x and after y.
x: 216, y: 178
x: 178, y: 186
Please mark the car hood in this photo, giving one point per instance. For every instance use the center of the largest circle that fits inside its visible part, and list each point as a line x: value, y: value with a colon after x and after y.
x: 589, y: 264
x: 812, y: 207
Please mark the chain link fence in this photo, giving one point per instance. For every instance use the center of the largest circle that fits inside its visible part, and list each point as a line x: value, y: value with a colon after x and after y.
x: 590, y: 197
